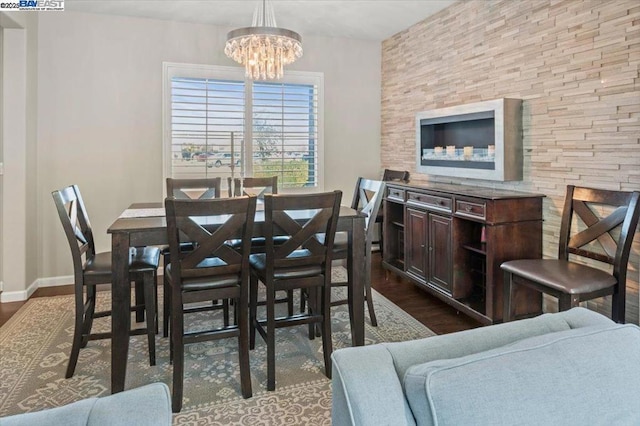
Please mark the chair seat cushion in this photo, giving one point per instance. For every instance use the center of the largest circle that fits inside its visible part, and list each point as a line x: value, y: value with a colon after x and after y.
x: 141, y: 259
x: 207, y: 282
x: 561, y: 275
x: 567, y: 377
x: 258, y: 263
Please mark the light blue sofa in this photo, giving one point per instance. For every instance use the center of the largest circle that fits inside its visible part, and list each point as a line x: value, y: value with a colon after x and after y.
x: 570, y: 368
x: 146, y: 405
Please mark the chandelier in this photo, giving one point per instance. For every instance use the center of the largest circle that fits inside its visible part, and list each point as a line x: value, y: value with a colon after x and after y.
x: 263, y: 48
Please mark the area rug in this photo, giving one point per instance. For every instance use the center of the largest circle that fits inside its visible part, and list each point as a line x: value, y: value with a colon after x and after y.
x: 35, y: 344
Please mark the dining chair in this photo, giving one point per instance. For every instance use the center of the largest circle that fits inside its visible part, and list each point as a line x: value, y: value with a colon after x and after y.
x: 212, y: 270
x: 388, y: 175
x: 367, y: 198
x: 91, y: 269
x: 597, y: 228
x: 269, y: 185
x: 194, y: 189
x: 266, y: 185
x: 187, y: 189
x: 303, y: 262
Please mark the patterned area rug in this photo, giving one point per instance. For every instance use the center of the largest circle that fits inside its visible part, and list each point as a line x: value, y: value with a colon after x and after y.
x: 35, y: 344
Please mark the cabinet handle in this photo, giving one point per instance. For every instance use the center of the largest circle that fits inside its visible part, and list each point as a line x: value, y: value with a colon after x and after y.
x: 468, y: 208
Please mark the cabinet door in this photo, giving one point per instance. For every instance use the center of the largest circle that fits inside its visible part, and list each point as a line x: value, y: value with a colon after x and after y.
x: 415, y: 242
x: 440, y: 270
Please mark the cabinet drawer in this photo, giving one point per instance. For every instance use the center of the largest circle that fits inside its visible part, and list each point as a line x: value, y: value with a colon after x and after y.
x: 467, y: 208
x: 427, y: 200
x: 395, y: 193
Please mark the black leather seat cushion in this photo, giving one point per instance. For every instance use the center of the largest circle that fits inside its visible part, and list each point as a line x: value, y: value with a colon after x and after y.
x: 258, y: 262
x: 207, y: 282
x: 141, y: 259
x: 561, y: 275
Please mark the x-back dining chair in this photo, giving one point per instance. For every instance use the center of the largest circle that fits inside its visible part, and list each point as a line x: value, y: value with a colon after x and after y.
x: 194, y: 189
x: 302, y: 262
x: 597, y: 225
x: 187, y: 189
x: 212, y: 270
x: 91, y: 269
x: 367, y: 198
x: 269, y: 185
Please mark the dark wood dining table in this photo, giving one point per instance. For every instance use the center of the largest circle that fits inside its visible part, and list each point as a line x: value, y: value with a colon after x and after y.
x: 144, y: 224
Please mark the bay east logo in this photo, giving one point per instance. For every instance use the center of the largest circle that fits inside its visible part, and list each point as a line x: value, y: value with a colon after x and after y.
x: 41, y: 4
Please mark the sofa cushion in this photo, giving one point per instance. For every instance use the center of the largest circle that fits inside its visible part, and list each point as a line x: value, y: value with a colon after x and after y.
x: 588, y: 375
x: 463, y: 343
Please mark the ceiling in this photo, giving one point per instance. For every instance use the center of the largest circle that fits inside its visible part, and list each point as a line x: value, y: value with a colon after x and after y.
x: 359, y: 19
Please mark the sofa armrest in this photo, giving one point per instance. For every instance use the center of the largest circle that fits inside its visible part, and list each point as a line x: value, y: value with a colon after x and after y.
x: 146, y: 405
x: 366, y: 389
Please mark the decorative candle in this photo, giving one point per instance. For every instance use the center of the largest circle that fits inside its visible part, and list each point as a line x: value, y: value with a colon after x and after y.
x: 451, y: 150
x: 468, y: 152
x: 491, y: 150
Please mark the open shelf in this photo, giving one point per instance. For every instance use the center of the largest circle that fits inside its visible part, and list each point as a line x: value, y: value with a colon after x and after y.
x: 480, y: 248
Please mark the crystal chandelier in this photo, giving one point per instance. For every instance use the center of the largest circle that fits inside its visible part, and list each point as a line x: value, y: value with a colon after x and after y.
x: 263, y: 48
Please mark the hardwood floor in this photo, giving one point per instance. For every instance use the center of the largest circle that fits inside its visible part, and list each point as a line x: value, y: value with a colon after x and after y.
x: 435, y: 314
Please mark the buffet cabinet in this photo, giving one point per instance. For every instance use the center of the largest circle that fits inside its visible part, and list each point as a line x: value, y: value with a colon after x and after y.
x: 450, y: 240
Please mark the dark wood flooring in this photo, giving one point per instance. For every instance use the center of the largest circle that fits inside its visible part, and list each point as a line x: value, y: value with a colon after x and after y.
x: 435, y: 314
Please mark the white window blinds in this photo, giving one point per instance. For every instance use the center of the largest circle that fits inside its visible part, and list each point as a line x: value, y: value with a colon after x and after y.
x: 232, y: 128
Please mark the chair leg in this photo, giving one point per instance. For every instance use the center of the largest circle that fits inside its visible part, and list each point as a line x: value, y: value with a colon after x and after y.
x: 150, y: 307
x: 89, y: 310
x: 155, y: 299
x: 327, y: 343
x: 507, y: 289
x: 253, y: 307
x: 567, y: 301
x: 177, y: 332
x: 312, y: 295
x: 618, y: 307
x: 77, y: 334
x: 290, y: 302
x: 367, y: 286
x: 225, y: 312
x: 166, y: 306
x: 241, y: 305
x: 271, y: 338
x: 372, y: 312
x: 140, y: 301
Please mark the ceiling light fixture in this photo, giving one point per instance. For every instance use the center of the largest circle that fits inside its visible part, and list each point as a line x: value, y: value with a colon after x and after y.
x: 263, y: 48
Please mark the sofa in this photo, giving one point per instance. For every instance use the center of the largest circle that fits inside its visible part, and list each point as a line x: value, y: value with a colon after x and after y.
x: 570, y: 368
x: 146, y: 405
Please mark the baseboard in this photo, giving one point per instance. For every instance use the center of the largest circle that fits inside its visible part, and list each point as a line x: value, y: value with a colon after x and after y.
x: 55, y: 281
x: 22, y: 295
x: 18, y: 296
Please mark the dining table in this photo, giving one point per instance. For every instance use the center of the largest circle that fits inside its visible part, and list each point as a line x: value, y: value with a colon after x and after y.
x: 144, y: 224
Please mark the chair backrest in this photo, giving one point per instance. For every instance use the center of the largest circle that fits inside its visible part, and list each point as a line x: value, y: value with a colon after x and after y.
x: 606, y: 228
x: 301, y: 217
x: 210, y: 224
x: 75, y: 222
x: 395, y: 175
x: 367, y: 198
x: 193, y: 189
x: 270, y: 185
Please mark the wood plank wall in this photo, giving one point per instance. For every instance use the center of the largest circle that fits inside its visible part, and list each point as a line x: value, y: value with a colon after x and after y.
x: 575, y: 63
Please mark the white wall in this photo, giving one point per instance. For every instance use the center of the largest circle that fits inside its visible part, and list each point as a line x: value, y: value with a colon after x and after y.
x: 99, y: 112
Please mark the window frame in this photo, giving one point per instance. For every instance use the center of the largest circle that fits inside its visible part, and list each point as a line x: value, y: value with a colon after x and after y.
x: 172, y: 69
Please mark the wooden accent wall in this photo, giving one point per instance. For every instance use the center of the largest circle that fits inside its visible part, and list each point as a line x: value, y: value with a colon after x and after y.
x: 575, y: 63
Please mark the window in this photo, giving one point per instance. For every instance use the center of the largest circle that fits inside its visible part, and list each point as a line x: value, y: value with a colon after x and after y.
x: 218, y: 124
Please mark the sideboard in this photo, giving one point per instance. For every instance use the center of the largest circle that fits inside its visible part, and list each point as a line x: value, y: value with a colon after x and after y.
x: 450, y: 240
